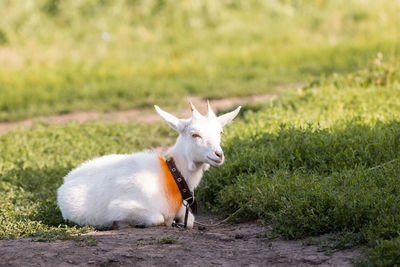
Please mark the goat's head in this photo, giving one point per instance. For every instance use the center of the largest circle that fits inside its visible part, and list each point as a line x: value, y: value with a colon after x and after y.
x: 200, y: 136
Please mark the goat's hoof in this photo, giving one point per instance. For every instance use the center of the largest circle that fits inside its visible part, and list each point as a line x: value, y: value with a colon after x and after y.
x: 178, y: 225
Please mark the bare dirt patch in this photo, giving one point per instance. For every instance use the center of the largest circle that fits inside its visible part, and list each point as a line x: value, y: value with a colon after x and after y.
x: 136, y: 114
x: 225, y: 245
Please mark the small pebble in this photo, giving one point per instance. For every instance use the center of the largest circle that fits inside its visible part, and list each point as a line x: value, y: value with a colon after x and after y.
x: 239, y: 236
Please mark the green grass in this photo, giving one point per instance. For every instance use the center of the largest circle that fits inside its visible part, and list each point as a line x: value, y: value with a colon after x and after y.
x: 53, y: 59
x: 167, y: 240
x: 321, y: 160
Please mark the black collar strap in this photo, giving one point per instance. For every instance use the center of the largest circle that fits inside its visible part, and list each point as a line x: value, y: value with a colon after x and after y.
x: 187, y: 195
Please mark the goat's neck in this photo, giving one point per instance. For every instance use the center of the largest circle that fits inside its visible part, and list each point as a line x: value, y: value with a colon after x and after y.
x: 193, y: 174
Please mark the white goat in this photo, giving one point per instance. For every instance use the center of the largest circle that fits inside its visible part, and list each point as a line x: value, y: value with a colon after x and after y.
x: 134, y: 188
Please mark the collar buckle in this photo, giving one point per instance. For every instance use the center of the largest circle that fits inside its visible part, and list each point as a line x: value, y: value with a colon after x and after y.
x: 186, y: 202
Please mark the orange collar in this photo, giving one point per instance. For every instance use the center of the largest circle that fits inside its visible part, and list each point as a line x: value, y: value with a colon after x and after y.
x: 171, y: 189
x: 187, y: 194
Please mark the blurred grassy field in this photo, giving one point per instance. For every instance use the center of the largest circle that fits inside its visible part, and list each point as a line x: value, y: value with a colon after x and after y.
x: 65, y: 56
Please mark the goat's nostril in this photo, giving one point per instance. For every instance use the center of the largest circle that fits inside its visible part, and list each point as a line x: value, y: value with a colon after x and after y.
x: 219, y: 154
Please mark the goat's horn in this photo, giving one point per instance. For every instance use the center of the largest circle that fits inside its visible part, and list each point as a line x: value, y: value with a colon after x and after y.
x: 210, y: 112
x: 192, y: 107
x: 195, y: 113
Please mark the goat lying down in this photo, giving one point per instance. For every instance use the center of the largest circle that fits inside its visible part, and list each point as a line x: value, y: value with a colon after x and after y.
x: 134, y: 189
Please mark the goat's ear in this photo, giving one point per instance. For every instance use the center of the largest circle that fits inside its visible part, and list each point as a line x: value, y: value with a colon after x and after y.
x: 228, y: 117
x: 175, y: 123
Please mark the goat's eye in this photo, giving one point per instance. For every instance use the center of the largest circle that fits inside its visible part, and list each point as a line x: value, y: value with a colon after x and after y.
x: 195, y: 135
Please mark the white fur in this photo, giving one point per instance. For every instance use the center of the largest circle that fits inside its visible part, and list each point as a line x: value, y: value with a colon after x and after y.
x: 130, y: 188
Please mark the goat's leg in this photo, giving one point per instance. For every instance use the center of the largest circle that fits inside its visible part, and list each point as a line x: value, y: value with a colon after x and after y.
x: 132, y: 213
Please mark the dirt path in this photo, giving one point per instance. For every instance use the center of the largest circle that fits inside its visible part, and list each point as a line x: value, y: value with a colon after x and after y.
x: 225, y: 245
x: 137, y: 114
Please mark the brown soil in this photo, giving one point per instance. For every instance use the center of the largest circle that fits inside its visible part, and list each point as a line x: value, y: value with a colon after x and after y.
x: 224, y: 245
x: 137, y: 114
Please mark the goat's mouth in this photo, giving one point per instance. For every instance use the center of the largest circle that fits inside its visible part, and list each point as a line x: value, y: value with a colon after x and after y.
x: 216, y: 161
